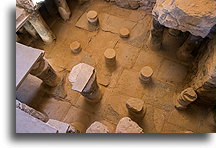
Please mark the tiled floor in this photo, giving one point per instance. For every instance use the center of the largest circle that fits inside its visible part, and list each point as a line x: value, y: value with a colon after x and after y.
x: 119, y: 84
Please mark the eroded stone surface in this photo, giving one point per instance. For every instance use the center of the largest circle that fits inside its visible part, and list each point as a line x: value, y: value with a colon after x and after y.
x: 126, y: 125
x: 197, y: 17
x: 97, y: 127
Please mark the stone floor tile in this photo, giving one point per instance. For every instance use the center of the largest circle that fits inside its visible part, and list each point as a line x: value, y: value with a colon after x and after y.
x: 172, y: 72
x: 159, y: 94
x: 111, y: 23
x: 126, y: 55
x: 148, y: 59
x: 129, y: 84
x: 55, y: 109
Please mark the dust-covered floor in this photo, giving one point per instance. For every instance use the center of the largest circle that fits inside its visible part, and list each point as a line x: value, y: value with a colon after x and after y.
x: 118, y: 84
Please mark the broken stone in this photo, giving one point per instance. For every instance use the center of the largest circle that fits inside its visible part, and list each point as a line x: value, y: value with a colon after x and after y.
x: 30, y: 29
x: 110, y: 56
x: 134, y: 105
x: 97, y: 127
x: 32, y: 111
x: 197, y: 17
x: 63, y: 9
x: 186, y: 97
x: 135, y: 108
x: 42, y: 28
x: 80, y: 75
x: 75, y: 47
x: 126, y: 125
x: 43, y: 70
x: 83, y: 80
x: 124, y: 33
x: 146, y: 74
x: 60, y: 126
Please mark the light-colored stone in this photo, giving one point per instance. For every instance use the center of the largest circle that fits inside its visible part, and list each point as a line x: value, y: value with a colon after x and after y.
x: 60, y: 126
x: 126, y: 125
x: 80, y: 75
x: 197, y: 17
x: 97, y: 127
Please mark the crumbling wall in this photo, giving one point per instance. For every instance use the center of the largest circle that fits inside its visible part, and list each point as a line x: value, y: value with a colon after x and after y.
x: 135, y: 4
x: 195, y: 16
x: 204, y: 78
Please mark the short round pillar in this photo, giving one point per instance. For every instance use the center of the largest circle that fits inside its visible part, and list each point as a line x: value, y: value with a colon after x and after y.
x: 110, y: 56
x: 146, y: 74
x: 92, y: 17
x: 75, y: 47
x: 124, y: 33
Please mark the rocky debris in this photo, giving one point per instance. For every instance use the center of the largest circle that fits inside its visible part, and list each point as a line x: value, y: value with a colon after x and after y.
x: 126, y: 125
x: 204, y: 73
x: 135, y: 108
x: 97, y: 127
x: 135, y: 105
x: 197, y: 17
x: 31, y: 111
x: 186, y: 97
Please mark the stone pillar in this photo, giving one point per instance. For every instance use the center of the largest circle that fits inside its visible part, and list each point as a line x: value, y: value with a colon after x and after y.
x: 186, y: 97
x: 92, y: 18
x: 45, y: 72
x: 97, y: 127
x: 156, y: 35
x: 173, y: 39
x: 30, y: 29
x: 83, y: 80
x: 63, y: 9
x: 192, y: 43
x: 92, y: 90
x: 31, y: 111
x: 42, y: 28
x: 136, y: 108
x: 146, y: 74
x: 110, y: 57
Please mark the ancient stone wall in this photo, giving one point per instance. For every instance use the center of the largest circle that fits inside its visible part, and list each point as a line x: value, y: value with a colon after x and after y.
x: 204, y: 78
x: 135, y: 4
x: 195, y: 16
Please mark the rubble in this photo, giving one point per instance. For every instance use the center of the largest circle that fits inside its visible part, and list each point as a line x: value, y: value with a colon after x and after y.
x: 97, y: 127
x: 197, y: 17
x: 126, y: 125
